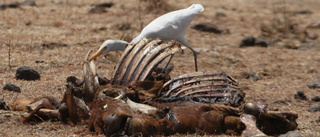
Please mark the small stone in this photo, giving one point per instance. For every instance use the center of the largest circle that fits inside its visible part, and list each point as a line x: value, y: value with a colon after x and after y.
x: 97, y: 10
x: 11, y: 87
x: 314, y: 109
x: 104, y: 5
x: 3, y: 105
x: 53, y: 45
x: 251, y: 41
x: 300, y: 95
x: 252, y: 76
x: 249, y: 75
x: 3, y: 7
x: 27, y: 73
x: 314, y: 84
x: 207, y: 27
x: 39, y: 61
x: 29, y: 3
x: 260, y: 43
x: 303, y: 12
x: 315, y: 99
x: 13, y: 5
x: 248, y: 41
x: 221, y: 14
x: 32, y: 123
x: 10, y: 5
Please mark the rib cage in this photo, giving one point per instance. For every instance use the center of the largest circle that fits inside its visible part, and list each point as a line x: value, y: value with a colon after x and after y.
x: 208, y: 86
x: 139, y: 60
x: 214, y: 86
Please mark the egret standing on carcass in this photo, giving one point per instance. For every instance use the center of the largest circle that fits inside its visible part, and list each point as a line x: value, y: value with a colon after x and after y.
x: 172, y: 26
x: 110, y: 45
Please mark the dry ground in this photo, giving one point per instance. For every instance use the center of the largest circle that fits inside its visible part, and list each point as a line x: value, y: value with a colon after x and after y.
x: 282, y: 71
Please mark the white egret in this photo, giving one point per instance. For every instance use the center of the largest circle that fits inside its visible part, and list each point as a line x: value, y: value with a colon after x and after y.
x: 110, y: 45
x: 172, y: 26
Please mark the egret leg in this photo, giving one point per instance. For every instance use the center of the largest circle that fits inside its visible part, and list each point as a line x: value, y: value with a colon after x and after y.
x: 165, y: 68
x: 184, y: 42
x: 195, y: 59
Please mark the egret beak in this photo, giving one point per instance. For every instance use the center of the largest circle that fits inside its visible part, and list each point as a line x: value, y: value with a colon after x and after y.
x: 95, y: 55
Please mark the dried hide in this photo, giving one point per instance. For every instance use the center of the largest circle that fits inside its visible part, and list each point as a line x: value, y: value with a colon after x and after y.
x: 115, y: 118
x: 38, y: 110
x: 20, y: 104
x: 261, y: 122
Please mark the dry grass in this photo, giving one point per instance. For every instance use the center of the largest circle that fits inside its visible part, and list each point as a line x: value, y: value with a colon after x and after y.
x: 282, y: 71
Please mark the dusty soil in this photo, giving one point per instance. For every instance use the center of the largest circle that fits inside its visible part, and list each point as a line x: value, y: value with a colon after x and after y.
x: 28, y: 34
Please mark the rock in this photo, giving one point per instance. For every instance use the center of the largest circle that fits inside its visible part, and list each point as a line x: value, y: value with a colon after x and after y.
x: 221, y: 14
x: 300, y: 95
x: 39, y: 61
x: 97, y: 10
x: 13, y: 5
x: 314, y: 109
x: 3, y: 7
x: 10, y: 5
x: 303, y: 12
x: 104, y: 5
x: 11, y: 87
x: 252, y: 76
x: 3, y: 105
x: 294, y: 133
x: 251, y: 41
x: 314, y: 84
x: 27, y: 73
x: 29, y: 3
x: 53, y: 45
x: 247, y: 41
x: 315, y: 99
x: 260, y: 43
x: 207, y: 27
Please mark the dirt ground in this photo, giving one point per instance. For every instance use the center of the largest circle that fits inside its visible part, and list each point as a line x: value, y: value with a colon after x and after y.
x: 287, y: 65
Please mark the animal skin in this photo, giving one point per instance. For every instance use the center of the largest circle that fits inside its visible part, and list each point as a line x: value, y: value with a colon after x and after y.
x: 20, y: 104
x: 187, y: 117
